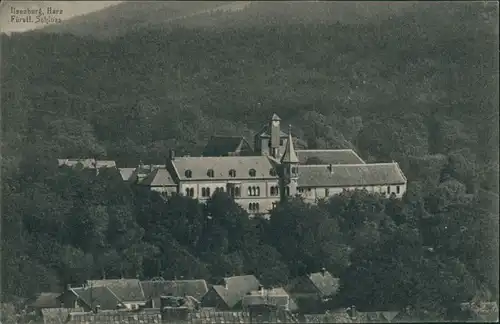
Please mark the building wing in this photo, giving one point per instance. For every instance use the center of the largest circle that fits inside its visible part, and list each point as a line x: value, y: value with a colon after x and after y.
x: 350, y: 175
x: 323, y: 157
x: 197, y: 168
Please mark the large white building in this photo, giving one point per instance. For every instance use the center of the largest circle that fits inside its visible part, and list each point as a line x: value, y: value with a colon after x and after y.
x: 259, y: 177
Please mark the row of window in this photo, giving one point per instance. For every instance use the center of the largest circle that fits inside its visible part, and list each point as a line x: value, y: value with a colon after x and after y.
x: 190, y: 192
x: 205, y: 192
x: 232, y: 173
x: 327, y: 191
x: 254, y: 191
x: 253, y: 206
x: 234, y: 191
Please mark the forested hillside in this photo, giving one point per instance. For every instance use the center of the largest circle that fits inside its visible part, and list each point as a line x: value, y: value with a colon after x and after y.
x: 421, y: 89
x: 141, y: 15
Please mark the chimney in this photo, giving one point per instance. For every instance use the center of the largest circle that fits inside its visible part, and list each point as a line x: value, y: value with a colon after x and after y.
x: 352, y: 311
x: 330, y: 168
x: 323, y: 271
x: 261, y: 290
x: 171, y: 155
x: 97, y: 308
x: 68, y: 286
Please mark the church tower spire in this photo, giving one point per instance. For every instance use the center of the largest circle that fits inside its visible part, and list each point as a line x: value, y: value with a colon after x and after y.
x: 289, y: 164
x: 290, y: 156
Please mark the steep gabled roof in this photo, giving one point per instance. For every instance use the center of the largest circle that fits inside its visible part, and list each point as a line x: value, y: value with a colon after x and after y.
x: 343, y: 175
x: 323, y: 157
x: 230, y: 298
x: 159, y: 177
x: 179, y: 288
x: 225, y: 145
x: 126, y: 173
x: 127, y: 290
x: 99, y: 295
x: 242, y: 284
x: 326, y: 284
x: 235, y: 288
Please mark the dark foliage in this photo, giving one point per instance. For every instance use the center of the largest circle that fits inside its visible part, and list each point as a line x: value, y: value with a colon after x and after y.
x: 419, y: 89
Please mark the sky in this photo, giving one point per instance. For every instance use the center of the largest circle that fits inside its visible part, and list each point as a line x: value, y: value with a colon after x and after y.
x: 10, y: 21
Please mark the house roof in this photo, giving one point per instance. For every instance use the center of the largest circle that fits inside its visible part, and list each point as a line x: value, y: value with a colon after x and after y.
x: 87, y: 163
x: 223, y: 145
x: 325, y: 283
x: 199, y: 167
x: 332, y: 317
x: 105, y: 164
x: 275, y: 296
x: 344, y: 156
x: 180, y: 288
x: 126, y: 173
x: 55, y: 315
x: 98, y: 295
x: 276, y: 117
x: 114, y: 317
x: 484, y: 311
x: 127, y: 290
x: 46, y: 300
x: 235, y: 288
x: 159, y: 177
x: 242, y: 284
x: 289, y: 156
x: 217, y: 317
x: 231, y: 298
x: 374, y: 317
x: 344, y: 175
x: 209, y: 316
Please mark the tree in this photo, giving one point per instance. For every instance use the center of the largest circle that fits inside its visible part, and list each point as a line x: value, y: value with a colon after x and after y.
x: 307, y: 238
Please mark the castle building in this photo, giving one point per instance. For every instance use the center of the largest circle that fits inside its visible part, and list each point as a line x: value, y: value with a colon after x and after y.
x: 258, y: 179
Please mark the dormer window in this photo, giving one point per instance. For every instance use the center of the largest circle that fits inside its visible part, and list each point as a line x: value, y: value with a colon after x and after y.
x: 252, y: 172
x: 188, y: 173
x: 272, y: 172
x: 210, y: 173
x: 232, y: 173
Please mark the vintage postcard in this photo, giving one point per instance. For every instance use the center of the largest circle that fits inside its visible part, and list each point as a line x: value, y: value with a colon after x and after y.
x: 249, y: 161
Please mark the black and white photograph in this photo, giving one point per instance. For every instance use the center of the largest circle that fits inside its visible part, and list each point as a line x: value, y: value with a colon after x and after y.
x: 233, y: 162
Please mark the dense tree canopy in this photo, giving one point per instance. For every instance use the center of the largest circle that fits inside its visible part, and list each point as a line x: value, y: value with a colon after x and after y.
x: 418, y: 89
